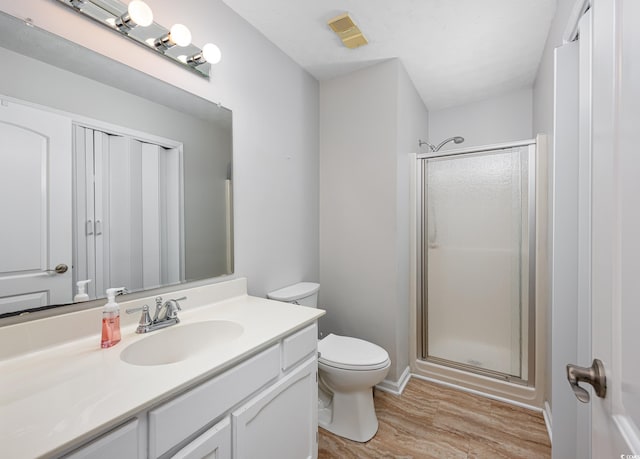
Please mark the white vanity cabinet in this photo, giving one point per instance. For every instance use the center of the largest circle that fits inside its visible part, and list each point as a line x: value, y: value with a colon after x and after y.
x: 263, y: 407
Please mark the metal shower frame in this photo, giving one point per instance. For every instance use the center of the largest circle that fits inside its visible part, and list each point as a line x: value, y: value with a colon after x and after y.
x: 422, y: 288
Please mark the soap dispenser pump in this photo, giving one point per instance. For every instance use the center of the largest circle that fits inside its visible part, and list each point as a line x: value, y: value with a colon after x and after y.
x: 82, y: 291
x: 111, y: 318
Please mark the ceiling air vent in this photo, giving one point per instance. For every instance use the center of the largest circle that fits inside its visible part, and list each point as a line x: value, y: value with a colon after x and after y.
x: 348, y: 31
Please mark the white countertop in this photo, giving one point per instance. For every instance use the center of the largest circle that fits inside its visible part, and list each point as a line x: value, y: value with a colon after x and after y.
x: 63, y: 394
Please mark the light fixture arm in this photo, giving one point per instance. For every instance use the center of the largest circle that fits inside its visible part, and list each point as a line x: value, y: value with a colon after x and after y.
x: 125, y: 24
x: 163, y: 43
x: 196, y: 59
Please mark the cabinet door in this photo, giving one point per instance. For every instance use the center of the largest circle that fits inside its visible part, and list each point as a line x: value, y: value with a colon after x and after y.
x: 121, y: 443
x: 282, y: 421
x: 215, y: 443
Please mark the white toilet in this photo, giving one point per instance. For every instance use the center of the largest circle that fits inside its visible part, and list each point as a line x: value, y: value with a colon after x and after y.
x: 348, y: 370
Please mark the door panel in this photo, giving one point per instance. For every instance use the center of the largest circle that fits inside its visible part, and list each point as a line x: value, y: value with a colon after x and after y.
x: 477, y: 231
x: 616, y: 225
x: 626, y: 342
x: 35, y: 195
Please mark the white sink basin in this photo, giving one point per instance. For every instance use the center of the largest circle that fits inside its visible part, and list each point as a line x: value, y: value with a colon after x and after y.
x: 179, y: 342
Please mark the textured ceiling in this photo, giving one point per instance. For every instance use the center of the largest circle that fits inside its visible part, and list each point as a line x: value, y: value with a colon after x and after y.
x: 456, y: 51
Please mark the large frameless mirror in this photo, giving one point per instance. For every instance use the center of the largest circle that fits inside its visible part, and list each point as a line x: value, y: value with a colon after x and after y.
x: 106, y: 174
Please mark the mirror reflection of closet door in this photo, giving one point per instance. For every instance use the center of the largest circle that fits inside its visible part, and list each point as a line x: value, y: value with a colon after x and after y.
x: 128, y: 219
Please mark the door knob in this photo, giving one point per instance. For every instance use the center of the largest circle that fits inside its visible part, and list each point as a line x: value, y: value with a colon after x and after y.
x: 59, y: 269
x: 593, y: 375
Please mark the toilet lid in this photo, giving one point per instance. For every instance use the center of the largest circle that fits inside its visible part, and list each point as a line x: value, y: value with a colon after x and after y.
x: 351, y: 353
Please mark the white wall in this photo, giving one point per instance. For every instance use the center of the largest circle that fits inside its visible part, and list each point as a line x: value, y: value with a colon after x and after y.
x: 543, y: 123
x: 504, y: 118
x: 369, y: 121
x: 275, y: 116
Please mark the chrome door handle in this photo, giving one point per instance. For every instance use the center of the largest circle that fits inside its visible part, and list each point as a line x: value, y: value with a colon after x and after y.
x: 593, y: 375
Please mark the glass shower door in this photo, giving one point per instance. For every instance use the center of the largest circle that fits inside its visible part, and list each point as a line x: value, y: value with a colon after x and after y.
x: 476, y: 235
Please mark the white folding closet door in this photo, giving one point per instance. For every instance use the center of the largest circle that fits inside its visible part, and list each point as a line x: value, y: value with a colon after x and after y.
x: 128, y: 217
x: 150, y: 210
x: 83, y: 198
x: 172, y: 230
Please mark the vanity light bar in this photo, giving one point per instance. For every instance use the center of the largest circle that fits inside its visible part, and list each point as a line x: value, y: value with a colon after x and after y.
x: 135, y: 21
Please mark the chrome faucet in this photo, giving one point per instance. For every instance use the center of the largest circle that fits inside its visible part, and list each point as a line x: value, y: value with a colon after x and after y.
x: 170, y: 316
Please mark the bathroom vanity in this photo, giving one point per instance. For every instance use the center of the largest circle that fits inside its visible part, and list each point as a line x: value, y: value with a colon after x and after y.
x: 237, y: 377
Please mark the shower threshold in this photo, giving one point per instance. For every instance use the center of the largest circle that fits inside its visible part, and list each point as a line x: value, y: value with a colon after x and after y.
x: 475, y: 369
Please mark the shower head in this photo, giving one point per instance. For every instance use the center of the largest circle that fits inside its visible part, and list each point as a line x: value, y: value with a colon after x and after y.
x: 456, y: 139
x: 433, y: 148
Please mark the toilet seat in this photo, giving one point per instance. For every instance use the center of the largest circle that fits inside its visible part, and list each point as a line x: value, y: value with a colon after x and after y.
x: 349, y: 353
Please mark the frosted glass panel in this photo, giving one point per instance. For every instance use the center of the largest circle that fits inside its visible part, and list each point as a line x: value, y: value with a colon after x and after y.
x: 476, y: 239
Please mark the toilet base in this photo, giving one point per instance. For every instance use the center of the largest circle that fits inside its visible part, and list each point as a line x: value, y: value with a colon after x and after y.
x: 350, y: 415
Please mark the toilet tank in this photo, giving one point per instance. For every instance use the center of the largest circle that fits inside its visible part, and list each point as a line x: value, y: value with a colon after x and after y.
x: 302, y: 293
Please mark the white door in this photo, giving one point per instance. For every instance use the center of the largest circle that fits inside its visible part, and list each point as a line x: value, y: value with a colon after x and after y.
x: 615, y: 263
x: 35, y: 201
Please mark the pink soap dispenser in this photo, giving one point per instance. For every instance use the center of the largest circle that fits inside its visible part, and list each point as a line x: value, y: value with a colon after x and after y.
x: 111, y: 318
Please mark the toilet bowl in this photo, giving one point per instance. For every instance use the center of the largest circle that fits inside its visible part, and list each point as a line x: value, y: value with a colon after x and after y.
x: 348, y: 368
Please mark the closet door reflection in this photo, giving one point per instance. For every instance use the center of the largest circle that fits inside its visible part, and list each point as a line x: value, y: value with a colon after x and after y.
x: 476, y: 239
x: 128, y: 223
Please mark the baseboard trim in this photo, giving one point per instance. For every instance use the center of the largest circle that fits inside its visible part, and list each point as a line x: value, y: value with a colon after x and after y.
x: 396, y: 387
x: 548, y: 420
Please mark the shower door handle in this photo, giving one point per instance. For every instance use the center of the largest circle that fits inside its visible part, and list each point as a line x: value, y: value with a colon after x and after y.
x: 594, y: 375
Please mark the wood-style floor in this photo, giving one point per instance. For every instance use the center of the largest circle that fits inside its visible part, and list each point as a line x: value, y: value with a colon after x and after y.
x: 433, y: 421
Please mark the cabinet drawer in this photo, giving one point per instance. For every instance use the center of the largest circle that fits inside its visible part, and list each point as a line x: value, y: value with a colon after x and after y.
x: 122, y: 442
x: 180, y: 418
x: 299, y: 345
x: 215, y: 443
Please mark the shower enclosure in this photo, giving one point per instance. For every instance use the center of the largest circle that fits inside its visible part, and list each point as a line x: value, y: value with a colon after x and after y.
x: 477, y: 260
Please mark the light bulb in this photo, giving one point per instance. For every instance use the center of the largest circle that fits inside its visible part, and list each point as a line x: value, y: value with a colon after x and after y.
x: 180, y: 35
x: 140, y: 13
x: 211, y: 53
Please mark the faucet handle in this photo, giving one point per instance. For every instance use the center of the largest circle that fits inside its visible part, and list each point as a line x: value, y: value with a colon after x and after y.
x: 145, y: 318
x: 173, y: 307
x: 136, y: 309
